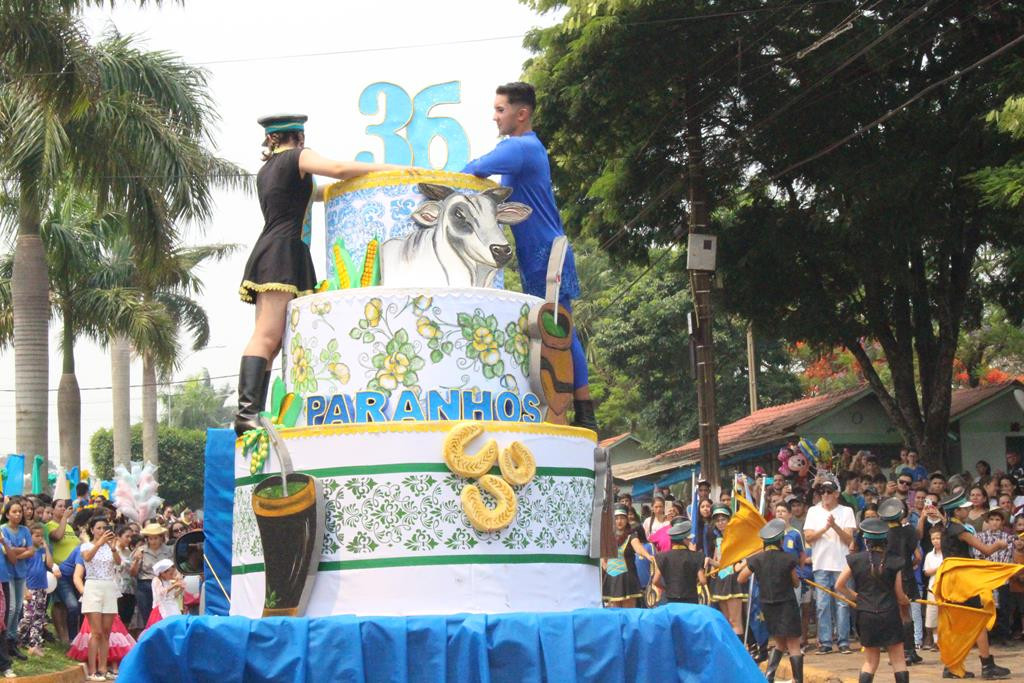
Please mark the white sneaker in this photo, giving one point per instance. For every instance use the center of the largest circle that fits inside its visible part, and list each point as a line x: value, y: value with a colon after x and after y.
x: 10, y: 674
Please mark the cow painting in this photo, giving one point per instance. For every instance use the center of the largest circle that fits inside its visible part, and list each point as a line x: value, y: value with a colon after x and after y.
x: 458, y: 242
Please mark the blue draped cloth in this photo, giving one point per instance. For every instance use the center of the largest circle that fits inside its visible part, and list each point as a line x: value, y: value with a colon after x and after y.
x: 674, y: 642
x: 218, y: 510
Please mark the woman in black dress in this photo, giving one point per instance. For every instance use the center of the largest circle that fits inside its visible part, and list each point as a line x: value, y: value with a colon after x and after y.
x: 879, y: 594
x: 776, y: 577
x: 280, y: 267
x: 621, y: 586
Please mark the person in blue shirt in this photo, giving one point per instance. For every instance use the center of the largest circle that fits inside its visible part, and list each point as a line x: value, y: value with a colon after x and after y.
x: 18, y: 548
x: 522, y: 161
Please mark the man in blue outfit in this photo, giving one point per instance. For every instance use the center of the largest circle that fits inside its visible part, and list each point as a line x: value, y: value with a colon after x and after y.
x: 522, y: 161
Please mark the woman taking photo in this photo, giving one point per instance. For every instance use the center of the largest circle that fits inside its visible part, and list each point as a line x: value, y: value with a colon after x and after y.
x: 99, y: 600
x: 280, y: 267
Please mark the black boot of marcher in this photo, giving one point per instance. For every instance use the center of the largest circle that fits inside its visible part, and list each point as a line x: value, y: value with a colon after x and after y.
x: 865, y: 677
x: 584, y: 414
x: 909, y: 650
x: 902, y: 676
x: 773, y: 665
x: 796, y: 663
x: 251, y: 375
x: 991, y: 671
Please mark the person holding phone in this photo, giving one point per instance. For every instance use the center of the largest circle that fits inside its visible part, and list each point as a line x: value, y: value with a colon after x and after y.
x: 99, y: 599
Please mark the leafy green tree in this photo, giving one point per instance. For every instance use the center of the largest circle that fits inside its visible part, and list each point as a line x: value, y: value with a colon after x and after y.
x: 197, y: 404
x: 124, y: 124
x: 842, y: 157
x: 638, y: 346
x: 180, y: 473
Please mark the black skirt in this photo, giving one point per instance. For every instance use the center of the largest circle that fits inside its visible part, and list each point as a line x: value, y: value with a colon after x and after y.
x: 280, y: 265
x: 625, y: 586
x: 879, y: 630
x: 728, y: 588
x: 782, y: 618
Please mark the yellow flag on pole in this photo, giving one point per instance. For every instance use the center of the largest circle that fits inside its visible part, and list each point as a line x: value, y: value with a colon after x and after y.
x: 959, y: 628
x: 959, y: 578
x: 741, y: 539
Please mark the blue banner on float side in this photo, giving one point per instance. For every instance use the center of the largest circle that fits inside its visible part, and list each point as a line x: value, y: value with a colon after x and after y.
x: 689, y: 643
x: 218, y: 503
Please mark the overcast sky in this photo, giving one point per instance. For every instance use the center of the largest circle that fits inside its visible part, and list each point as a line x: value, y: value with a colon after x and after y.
x: 310, y: 57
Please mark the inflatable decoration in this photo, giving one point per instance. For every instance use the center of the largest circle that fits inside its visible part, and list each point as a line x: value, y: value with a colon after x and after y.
x: 37, y: 474
x: 135, y: 491
x: 73, y: 478
x: 14, y: 475
x: 61, y: 489
x: 825, y: 453
x: 784, y: 455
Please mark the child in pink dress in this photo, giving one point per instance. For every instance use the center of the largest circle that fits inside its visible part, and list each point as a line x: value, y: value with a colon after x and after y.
x: 168, y: 590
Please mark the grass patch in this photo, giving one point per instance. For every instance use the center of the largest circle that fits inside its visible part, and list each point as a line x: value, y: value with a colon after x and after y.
x: 53, y: 659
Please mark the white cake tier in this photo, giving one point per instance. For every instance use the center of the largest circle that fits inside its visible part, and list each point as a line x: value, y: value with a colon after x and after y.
x: 398, y: 540
x: 393, y: 341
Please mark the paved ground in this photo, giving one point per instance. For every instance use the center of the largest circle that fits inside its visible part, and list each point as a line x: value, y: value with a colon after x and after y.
x: 834, y: 668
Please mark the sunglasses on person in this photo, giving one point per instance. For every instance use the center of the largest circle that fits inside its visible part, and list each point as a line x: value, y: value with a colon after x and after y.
x: 178, y: 530
x: 905, y: 482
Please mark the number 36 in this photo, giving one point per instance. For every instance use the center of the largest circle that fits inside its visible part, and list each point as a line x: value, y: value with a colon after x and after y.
x: 412, y: 115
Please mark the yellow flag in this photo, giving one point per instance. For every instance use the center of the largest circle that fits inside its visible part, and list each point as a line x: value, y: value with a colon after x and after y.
x: 959, y: 628
x: 741, y: 539
x: 959, y: 579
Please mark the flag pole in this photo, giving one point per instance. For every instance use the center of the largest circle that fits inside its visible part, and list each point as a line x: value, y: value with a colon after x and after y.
x: 760, y: 509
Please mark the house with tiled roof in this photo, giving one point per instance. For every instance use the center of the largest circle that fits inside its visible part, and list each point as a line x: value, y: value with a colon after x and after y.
x: 984, y: 422
x: 624, y: 448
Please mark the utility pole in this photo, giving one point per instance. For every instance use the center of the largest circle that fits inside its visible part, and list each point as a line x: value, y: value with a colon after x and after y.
x: 751, y: 368
x: 700, y: 286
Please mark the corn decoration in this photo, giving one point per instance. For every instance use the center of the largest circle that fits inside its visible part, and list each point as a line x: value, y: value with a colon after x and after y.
x: 371, y: 265
x: 344, y: 268
x: 518, y: 468
x: 284, y: 411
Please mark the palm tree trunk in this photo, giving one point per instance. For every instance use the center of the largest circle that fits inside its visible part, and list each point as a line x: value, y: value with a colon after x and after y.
x: 149, y: 447
x: 69, y: 403
x: 120, y: 371
x: 29, y: 294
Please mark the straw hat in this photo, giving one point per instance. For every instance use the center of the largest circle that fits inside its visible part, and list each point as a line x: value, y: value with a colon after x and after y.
x: 153, y: 529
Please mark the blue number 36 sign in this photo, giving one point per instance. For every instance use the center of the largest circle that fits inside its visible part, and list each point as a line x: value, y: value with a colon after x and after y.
x: 412, y: 116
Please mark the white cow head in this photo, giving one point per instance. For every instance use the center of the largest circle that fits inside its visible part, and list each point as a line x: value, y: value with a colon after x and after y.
x: 470, y: 223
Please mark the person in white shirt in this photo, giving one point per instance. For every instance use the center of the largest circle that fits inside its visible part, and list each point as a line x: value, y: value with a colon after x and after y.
x: 932, y: 560
x: 828, y: 530
x: 658, y: 519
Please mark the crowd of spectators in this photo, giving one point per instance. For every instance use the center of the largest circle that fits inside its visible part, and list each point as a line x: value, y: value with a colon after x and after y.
x: 823, y: 513
x: 81, y: 567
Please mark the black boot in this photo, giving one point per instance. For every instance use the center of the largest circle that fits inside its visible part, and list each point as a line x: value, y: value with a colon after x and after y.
x: 251, y: 374
x: 946, y: 673
x: 909, y: 651
x: 865, y: 677
x: 584, y: 414
x: 264, y: 391
x: 13, y: 651
x: 990, y: 670
x: 773, y: 665
x: 796, y: 663
x: 902, y: 676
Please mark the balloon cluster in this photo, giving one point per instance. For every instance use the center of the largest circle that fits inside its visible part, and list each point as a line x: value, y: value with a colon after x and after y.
x: 804, y: 458
x: 135, y: 491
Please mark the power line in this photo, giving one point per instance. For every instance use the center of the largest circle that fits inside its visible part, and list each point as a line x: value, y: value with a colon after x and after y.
x: 156, y: 384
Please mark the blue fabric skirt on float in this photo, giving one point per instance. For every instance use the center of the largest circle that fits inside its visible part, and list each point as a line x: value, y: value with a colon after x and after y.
x: 674, y: 642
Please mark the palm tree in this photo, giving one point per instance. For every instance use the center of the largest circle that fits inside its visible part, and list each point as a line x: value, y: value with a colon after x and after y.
x: 167, y: 285
x: 124, y: 124
x: 83, y: 295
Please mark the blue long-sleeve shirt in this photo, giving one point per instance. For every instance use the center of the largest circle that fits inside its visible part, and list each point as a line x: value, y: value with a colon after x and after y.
x: 523, y: 165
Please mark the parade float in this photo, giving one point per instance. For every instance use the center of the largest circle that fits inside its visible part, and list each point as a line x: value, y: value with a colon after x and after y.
x: 415, y: 506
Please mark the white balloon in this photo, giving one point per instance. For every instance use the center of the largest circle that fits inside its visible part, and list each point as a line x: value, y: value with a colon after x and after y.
x: 51, y: 582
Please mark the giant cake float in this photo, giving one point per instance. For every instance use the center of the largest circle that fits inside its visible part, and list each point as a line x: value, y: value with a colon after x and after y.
x: 419, y: 424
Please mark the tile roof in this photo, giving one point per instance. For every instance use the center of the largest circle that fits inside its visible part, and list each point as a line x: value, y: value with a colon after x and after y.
x: 608, y: 443
x: 774, y: 423
x: 778, y: 423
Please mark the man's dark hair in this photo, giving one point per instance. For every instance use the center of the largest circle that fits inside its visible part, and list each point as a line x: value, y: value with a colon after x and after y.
x: 519, y: 93
x: 81, y: 488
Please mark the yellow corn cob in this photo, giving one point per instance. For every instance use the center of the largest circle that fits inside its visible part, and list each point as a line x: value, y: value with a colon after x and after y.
x: 368, y: 263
